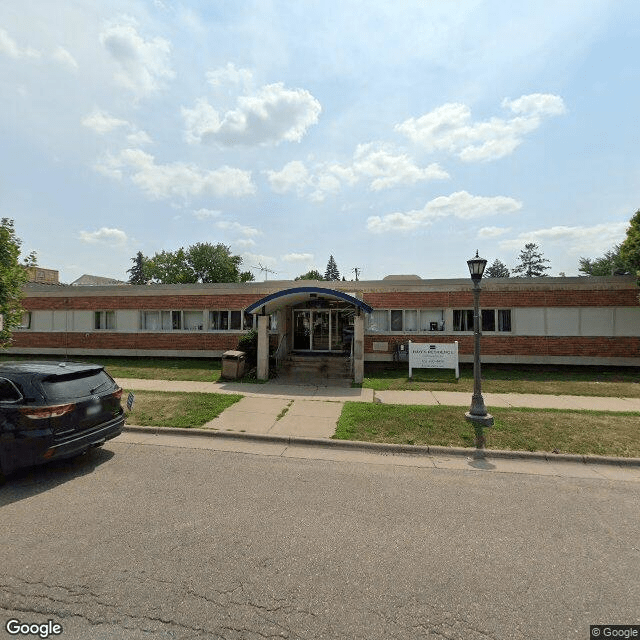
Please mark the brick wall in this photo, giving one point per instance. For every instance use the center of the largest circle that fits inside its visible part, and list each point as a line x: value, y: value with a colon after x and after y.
x: 114, y: 340
x: 98, y: 303
x: 503, y: 299
x: 619, y: 347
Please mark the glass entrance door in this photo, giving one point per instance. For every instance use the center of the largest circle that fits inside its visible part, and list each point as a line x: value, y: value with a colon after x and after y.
x: 302, y: 330
x: 321, y: 330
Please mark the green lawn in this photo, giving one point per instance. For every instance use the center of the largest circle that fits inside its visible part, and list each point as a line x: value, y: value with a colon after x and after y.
x: 581, y: 432
x: 172, y: 409
x: 543, y: 379
x: 196, y: 369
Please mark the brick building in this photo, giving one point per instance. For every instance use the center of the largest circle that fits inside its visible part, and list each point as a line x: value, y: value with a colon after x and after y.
x: 539, y: 320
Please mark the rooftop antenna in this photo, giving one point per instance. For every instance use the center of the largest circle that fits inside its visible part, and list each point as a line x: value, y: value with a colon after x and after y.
x: 265, y: 270
x: 356, y: 270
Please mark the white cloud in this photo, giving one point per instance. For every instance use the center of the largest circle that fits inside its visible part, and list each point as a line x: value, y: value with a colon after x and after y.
x: 10, y: 47
x: 273, y: 115
x: 236, y: 226
x: 244, y: 243
x: 459, y: 205
x: 594, y: 240
x: 230, y: 75
x: 292, y: 177
x: 298, y: 257
x: 104, y: 235
x: 62, y: 56
x: 493, y: 232
x: 536, y: 104
x: 258, y: 258
x: 389, y: 170
x: 101, y: 122
x: 138, y: 137
x: 378, y: 165
x: 450, y: 128
x: 144, y: 64
x: 207, y: 214
x: 176, y: 179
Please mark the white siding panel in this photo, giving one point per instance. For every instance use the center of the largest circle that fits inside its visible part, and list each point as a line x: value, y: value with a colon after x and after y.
x: 627, y: 321
x: 529, y: 321
x: 563, y: 322
x: 596, y: 322
x: 128, y: 320
x: 42, y: 320
x: 83, y: 321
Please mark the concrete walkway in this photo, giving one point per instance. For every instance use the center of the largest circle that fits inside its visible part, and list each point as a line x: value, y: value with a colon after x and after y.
x: 312, y: 410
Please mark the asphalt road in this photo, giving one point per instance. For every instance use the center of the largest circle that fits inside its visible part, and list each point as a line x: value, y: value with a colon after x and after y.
x: 137, y: 541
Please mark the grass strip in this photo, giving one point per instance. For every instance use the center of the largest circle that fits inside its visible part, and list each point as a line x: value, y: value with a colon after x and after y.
x: 177, y: 409
x: 579, y: 432
x: 194, y: 369
x: 617, y: 382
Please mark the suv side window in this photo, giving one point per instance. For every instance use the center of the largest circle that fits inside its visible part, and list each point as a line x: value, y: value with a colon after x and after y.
x: 8, y: 391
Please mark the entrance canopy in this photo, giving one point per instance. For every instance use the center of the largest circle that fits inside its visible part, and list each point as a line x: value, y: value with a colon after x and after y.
x: 297, y: 295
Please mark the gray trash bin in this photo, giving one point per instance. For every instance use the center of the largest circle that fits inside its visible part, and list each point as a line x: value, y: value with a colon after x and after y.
x: 233, y: 364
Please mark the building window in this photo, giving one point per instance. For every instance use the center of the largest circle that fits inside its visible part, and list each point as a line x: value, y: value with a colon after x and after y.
x: 488, y: 320
x: 230, y: 320
x: 104, y: 320
x: 504, y: 319
x: 379, y: 321
x: 492, y: 320
x: 462, y: 320
x: 396, y: 320
x: 25, y: 322
x: 405, y: 320
x: 193, y: 320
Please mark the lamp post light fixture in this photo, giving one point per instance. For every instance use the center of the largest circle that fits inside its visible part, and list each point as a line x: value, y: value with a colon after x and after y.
x: 477, y: 414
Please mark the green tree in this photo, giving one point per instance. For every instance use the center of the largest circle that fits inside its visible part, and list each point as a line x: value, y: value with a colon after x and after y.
x: 170, y: 267
x: 201, y: 262
x: 611, y: 263
x: 332, y: 273
x: 314, y: 274
x: 12, y: 278
x: 497, y: 269
x: 138, y: 272
x: 630, y: 247
x: 31, y: 260
x: 532, y: 263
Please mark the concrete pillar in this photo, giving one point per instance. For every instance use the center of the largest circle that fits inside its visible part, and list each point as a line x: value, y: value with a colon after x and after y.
x: 358, y: 349
x: 263, y: 348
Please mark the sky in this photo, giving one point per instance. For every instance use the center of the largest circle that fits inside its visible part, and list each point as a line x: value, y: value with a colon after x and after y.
x: 398, y: 137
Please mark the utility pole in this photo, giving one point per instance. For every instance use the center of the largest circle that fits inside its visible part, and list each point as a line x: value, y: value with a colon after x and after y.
x: 356, y: 270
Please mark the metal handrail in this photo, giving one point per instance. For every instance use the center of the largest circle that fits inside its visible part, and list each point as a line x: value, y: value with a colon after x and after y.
x: 280, y: 351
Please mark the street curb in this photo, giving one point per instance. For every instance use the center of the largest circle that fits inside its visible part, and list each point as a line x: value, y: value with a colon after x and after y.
x: 380, y: 447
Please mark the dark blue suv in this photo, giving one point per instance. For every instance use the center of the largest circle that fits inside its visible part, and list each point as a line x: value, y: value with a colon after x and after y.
x: 54, y: 410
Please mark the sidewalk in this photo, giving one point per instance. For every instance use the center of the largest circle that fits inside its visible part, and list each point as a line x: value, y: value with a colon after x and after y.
x: 312, y: 411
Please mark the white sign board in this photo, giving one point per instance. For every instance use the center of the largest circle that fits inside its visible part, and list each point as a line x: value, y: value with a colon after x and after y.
x: 425, y: 355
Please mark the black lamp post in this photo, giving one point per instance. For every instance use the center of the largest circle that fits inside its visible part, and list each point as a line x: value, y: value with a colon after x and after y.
x: 477, y: 414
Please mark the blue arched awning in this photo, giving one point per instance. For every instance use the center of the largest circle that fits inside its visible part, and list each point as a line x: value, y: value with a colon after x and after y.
x: 296, y: 295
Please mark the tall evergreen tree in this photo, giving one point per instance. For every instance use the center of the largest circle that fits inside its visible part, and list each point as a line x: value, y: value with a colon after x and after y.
x: 137, y: 271
x: 497, y: 269
x: 532, y: 263
x: 12, y: 277
x: 332, y: 272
